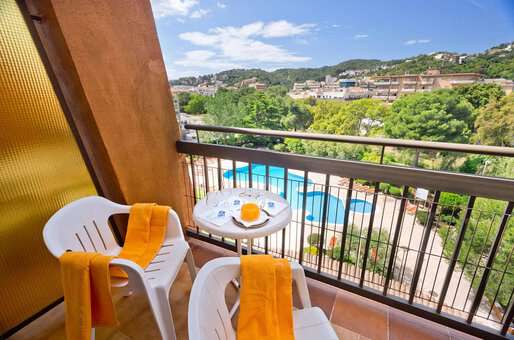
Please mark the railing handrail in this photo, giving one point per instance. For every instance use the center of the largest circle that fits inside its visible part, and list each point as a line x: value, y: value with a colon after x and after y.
x: 380, y: 141
x: 481, y: 186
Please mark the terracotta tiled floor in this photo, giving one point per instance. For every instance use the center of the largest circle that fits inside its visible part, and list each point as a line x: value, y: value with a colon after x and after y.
x: 353, y: 317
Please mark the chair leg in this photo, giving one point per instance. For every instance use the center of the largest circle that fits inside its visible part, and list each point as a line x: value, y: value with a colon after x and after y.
x: 162, y: 313
x: 191, y: 264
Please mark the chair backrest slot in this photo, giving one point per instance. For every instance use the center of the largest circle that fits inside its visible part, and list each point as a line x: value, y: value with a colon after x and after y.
x: 89, y: 237
x: 80, y: 241
x: 217, y: 334
x: 222, y: 323
x: 99, y: 234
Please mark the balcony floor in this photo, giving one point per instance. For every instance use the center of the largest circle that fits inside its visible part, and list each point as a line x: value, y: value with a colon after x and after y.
x: 352, y: 316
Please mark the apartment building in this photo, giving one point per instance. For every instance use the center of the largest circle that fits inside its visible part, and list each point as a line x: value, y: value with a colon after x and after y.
x: 389, y: 88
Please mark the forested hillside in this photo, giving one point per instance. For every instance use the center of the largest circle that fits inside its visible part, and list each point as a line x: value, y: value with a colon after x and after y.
x: 497, y: 62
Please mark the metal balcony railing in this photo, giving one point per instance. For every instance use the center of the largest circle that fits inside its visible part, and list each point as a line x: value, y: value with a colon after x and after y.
x: 350, y: 228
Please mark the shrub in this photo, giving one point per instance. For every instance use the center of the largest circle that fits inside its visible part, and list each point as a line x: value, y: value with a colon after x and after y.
x: 395, y: 191
x: 313, y: 239
x: 377, y: 253
x: 384, y: 187
x: 451, y: 203
x: 362, y: 181
x: 422, y: 216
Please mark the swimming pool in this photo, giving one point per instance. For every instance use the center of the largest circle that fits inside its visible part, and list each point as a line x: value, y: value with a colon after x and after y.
x: 315, y: 199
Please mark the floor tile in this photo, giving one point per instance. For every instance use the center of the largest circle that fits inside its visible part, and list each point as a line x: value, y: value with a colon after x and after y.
x: 360, y: 315
x: 404, y: 326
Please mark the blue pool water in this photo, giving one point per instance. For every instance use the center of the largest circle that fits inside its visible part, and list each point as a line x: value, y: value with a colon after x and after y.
x: 315, y: 199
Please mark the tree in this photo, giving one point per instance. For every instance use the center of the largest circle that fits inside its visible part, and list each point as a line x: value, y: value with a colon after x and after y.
x: 479, y: 95
x: 495, y: 122
x: 438, y: 116
x: 196, y: 104
x: 298, y: 117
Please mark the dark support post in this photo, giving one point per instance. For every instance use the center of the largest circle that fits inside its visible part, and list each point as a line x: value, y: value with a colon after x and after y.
x: 345, y: 226
x: 234, y: 174
x: 266, y: 239
x: 250, y: 175
x: 369, y: 234
x: 396, y: 239
x: 220, y: 177
x: 423, y: 247
x: 323, y: 222
x: 456, y: 251
x: 206, y: 174
x: 490, y: 260
x: 509, y: 314
x: 286, y: 179
x: 382, y: 154
x: 304, y: 208
x: 220, y: 184
x: 193, y: 177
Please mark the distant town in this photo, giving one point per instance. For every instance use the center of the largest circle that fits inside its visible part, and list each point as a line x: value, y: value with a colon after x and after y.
x: 354, y: 84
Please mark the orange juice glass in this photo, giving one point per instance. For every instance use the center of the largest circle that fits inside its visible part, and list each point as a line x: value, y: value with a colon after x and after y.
x: 250, y: 212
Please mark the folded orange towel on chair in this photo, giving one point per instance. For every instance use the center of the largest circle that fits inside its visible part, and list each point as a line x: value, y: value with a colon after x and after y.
x: 87, y: 293
x: 145, y: 233
x: 86, y: 278
x: 266, y: 301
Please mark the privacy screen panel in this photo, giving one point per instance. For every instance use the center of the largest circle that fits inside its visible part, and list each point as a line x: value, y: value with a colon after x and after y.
x: 41, y: 169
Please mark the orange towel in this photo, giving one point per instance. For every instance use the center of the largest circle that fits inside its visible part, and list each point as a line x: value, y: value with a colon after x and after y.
x: 145, y: 233
x: 266, y: 309
x: 87, y: 293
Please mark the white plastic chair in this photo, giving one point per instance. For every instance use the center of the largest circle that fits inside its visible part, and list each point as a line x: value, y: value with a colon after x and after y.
x: 209, y: 317
x: 83, y: 226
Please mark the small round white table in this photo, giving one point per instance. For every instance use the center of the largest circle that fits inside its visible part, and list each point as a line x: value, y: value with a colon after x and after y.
x: 232, y: 230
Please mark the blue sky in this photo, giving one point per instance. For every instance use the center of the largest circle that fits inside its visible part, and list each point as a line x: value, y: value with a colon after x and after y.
x: 207, y: 36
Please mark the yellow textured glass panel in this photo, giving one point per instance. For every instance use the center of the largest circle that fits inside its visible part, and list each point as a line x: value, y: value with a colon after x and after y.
x: 41, y: 169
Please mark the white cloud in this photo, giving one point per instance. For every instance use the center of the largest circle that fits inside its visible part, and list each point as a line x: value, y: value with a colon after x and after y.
x: 417, y: 41
x: 239, y: 47
x: 163, y: 8
x: 360, y: 36
x: 205, y: 59
x: 240, y: 44
x: 221, y: 5
x: 199, y: 13
x: 284, y: 28
x: 178, y: 8
x: 336, y: 26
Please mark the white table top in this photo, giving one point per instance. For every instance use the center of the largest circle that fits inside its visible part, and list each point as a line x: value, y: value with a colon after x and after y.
x: 232, y: 230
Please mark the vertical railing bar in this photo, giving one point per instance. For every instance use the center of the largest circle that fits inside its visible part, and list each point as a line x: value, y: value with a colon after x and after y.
x: 194, y: 183
x: 465, y: 261
x: 250, y: 175
x: 220, y: 184
x: 220, y: 177
x: 456, y: 251
x: 266, y: 239
x: 369, y: 233
x: 345, y: 227
x: 382, y: 154
x: 359, y: 239
x: 509, y: 315
x: 323, y: 221
x: 304, y: 208
x: 286, y: 179
x: 206, y: 174
x: 396, y: 239
x: 234, y: 174
x: 507, y: 263
x: 424, y: 244
x: 490, y: 261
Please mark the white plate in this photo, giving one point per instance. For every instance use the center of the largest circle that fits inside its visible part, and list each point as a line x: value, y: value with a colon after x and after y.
x: 263, y: 218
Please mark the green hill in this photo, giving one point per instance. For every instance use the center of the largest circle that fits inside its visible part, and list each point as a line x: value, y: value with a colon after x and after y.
x: 496, y: 62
